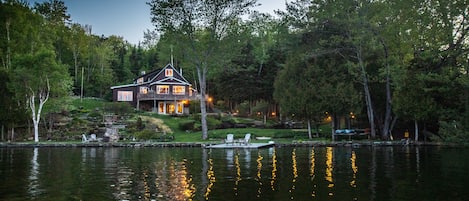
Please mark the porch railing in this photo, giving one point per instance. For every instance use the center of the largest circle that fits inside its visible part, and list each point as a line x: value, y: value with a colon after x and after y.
x: 155, y: 96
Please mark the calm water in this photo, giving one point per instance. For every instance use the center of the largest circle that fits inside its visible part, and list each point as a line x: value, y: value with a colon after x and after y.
x: 287, y: 173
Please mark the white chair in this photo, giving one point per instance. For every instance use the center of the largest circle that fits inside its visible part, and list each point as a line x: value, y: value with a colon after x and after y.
x: 229, y: 139
x: 93, y: 138
x: 84, y: 138
x: 247, y: 139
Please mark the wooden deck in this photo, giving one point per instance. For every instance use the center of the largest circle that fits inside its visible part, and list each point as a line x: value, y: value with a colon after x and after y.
x: 238, y: 145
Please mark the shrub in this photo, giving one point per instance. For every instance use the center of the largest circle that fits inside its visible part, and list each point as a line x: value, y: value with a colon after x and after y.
x: 95, y: 115
x: 187, y: 125
x: 213, y: 123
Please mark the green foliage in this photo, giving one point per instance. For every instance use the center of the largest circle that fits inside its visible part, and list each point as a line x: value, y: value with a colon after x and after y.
x: 187, y: 125
x: 453, y: 131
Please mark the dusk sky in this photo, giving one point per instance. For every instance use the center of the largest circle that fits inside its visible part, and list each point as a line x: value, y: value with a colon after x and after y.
x: 127, y: 18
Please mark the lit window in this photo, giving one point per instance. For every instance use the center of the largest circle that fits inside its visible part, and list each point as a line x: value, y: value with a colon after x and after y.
x: 125, y: 96
x: 168, y: 72
x: 180, y: 107
x: 143, y: 90
x: 161, y: 108
x: 179, y: 90
x: 162, y: 89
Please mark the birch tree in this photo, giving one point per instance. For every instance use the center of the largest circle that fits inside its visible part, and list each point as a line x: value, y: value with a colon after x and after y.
x: 39, y: 77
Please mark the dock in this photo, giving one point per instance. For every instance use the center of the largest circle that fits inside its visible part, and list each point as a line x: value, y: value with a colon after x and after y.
x: 238, y: 145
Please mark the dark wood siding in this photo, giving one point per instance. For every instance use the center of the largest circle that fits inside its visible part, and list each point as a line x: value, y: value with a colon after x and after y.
x: 134, y: 90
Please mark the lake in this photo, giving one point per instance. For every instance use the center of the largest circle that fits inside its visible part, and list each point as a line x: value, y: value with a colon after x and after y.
x: 276, y: 173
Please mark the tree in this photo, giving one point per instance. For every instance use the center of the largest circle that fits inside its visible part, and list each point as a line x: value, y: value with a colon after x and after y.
x: 18, y: 28
x: 10, y: 106
x: 434, y: 47
x: 38, y: 77
x: 199, y: 26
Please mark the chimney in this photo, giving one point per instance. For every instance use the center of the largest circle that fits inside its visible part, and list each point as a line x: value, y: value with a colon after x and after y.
x: 142, y: 72
x: 180, y: 71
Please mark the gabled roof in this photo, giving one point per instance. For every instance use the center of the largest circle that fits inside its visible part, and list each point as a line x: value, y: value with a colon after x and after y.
x: 176, y: 75
x: 157, y: 77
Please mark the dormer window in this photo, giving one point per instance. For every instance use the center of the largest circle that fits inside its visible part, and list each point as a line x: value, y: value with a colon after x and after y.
x: 140, y: 80
x: 168, y: 72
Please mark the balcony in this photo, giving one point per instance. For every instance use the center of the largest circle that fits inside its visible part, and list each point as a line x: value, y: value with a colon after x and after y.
x: 154, y: 96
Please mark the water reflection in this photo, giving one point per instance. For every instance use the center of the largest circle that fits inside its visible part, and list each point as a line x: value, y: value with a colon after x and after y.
x: 312, y: 161
x: 314, y: 173
x: 329, y: 169
x: 173, y: 181
x: 353, y: 164
x: 274, y: 168
x: 258, y: 175
x: 294, y: 172
x: 34, y: 188
x: 238, y: 173
x: 211, y: 178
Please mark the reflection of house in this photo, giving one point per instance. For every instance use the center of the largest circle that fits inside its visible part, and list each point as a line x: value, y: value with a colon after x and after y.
x: 164, y: 91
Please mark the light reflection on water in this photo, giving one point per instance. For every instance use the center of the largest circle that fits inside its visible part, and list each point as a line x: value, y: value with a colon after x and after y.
x: 303, y: 173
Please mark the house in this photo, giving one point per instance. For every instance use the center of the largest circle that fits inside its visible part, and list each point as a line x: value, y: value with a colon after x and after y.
x: 164, y: 91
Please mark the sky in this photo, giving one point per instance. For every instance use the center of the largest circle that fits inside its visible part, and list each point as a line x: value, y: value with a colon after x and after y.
x: 127, y: 18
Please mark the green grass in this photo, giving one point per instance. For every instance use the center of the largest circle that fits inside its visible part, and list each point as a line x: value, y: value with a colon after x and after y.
x: 217, y: 135
x: 88, y: 104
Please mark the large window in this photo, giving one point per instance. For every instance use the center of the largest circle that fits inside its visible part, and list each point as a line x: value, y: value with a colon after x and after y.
x: 179, y: 90
x: 125, y: 96
x: 162, y: 89
x: 168, y: 72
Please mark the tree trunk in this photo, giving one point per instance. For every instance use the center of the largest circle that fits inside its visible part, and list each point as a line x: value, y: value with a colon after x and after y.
x: 12, y: 134
x: 333, y: 127
x: 36, y: 115
x: 369, y: 104
x: 309, y: 129
x: 8, y: 56
x: 416, y: 125
x: 387, y: 117
x: 201, y: 73
x: 75, y: 62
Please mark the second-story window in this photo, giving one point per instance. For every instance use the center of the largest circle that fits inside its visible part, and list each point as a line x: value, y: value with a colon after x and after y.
x: 179, y: 90
x: 162, y: 89
x: 143, y: 90
x: 168, y: 72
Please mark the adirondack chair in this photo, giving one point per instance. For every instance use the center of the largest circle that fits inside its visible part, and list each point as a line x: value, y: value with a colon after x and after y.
x: 84, y: 138
x: 247, y: 139
x: 229, y: 139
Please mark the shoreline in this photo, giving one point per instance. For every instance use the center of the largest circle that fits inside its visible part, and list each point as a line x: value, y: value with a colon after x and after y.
x: 354, y: 144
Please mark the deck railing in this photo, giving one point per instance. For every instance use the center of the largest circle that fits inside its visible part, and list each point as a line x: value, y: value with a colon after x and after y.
x: 155, y: 96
